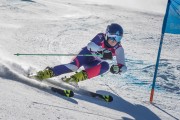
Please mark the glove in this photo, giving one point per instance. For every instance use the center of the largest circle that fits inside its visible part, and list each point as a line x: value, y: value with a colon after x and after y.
x: 106, y: 54
x: 115, y: 69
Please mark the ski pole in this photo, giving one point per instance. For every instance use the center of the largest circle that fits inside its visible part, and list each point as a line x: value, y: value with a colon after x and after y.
x: 19, y: 54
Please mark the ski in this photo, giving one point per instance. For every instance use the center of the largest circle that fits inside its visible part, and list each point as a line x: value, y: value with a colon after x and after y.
x: 66, y: 93
x: 75, y: 88
x: 63, y: 92
x: 106, y: 98
x: 69, y: 89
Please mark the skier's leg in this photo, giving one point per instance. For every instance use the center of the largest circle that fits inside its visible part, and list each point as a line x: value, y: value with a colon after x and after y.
x: 99, y: 69
x: 77, y: 62
x: 96, y: 68
x: 66, y: 68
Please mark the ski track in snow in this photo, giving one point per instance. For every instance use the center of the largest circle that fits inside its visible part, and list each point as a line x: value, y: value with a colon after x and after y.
x: 36, y: 27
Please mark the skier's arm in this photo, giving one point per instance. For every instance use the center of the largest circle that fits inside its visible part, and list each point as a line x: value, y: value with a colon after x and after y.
x: 95, y: 44
x: 106, y: 54
x: 95, y: 47
x: 120, y: 58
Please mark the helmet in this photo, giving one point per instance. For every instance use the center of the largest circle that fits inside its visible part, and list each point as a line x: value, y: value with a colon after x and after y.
x: 114, y: 32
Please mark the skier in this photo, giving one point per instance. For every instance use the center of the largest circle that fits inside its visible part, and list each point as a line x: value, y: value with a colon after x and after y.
x: 107, y: 45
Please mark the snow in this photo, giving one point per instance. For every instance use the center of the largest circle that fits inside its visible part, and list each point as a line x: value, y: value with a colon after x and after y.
x: 42, y: 26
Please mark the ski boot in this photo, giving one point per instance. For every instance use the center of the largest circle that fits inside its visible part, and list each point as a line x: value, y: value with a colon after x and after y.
x: 79, y: 76
x: 44, y: 74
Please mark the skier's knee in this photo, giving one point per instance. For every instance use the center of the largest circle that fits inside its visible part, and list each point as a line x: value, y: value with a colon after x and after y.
x: 104, y: 67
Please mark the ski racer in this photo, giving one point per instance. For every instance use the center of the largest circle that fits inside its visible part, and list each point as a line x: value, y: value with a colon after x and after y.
x: 107, y: 45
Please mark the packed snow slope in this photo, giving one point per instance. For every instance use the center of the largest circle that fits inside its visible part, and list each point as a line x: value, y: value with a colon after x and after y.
x: 65, y: 26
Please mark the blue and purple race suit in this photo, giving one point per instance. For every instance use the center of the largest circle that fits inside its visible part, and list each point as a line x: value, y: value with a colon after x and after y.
x: 93, y: 65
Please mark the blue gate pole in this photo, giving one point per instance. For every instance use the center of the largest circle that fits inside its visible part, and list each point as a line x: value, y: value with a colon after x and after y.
x: 156, y: 68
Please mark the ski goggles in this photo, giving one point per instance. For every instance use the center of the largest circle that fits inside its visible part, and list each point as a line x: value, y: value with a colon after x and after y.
x: 116, y: 38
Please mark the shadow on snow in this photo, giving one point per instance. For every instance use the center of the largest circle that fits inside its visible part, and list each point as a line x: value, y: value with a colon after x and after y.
x: 138, y: 112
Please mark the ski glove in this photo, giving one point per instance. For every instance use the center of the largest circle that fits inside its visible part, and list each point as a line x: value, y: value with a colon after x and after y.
x: 106, y: 54
x: 115, y: 69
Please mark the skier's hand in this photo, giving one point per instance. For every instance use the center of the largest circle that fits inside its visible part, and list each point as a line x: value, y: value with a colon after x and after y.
x: 115, y: 69
x: 106, y: 54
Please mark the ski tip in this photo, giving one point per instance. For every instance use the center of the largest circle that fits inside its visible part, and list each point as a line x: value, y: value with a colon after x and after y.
x: 71, y: 94
x: 110, y: 99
